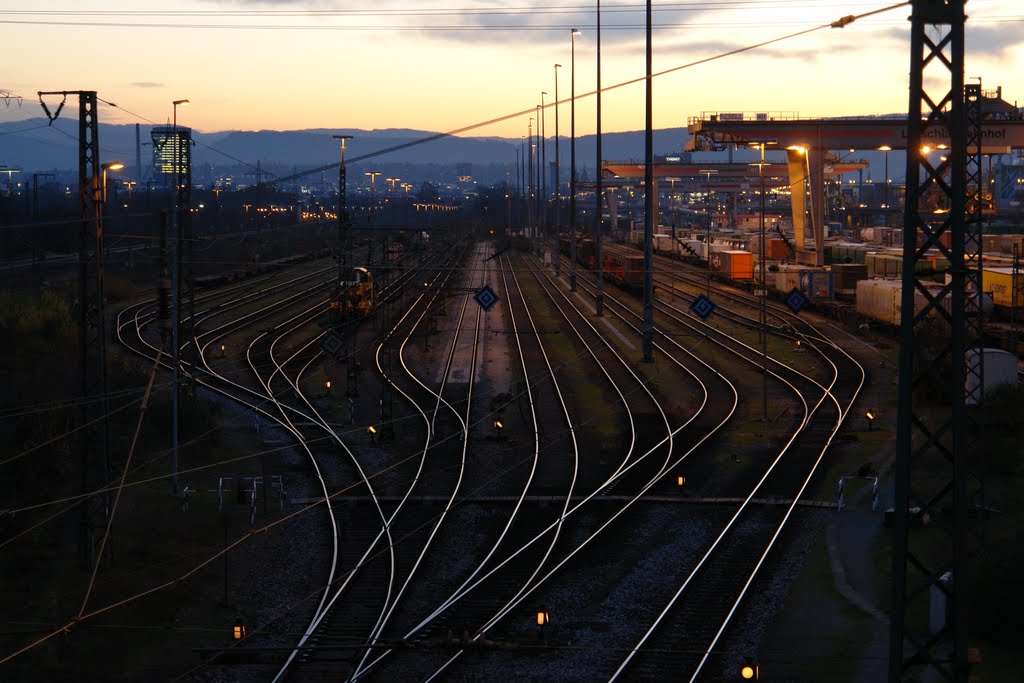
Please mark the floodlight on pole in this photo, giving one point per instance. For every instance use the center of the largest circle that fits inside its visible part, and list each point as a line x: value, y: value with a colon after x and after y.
x: 109, y: 166
x: 572, y: 159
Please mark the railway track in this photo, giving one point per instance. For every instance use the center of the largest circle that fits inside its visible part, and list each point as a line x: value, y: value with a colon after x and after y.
x: 454, y: 532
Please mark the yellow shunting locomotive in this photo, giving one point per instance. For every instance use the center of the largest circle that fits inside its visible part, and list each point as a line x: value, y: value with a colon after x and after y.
x: 356, y: 297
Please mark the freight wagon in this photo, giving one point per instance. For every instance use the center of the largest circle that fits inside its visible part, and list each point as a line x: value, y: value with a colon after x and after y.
x: 625, y: 271
x: 881, y: 300
x: 1007, y: 289
x: 734, y: 263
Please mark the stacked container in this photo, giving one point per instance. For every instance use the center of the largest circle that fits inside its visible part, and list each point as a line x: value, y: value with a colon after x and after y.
x: 736, y: 264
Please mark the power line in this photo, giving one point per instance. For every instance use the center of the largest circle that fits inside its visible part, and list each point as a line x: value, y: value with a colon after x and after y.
x: 532, y: 109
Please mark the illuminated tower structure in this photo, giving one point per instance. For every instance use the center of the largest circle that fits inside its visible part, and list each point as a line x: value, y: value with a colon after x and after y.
x: 165, y: 152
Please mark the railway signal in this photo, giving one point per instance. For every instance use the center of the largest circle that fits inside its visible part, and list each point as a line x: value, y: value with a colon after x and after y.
x: 750, y: 670
x: 870, y: 415
x: 239, y: 630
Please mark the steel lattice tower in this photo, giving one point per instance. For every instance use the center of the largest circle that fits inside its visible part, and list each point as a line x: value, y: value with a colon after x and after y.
x: 930, y: 544
x: 93, y: 444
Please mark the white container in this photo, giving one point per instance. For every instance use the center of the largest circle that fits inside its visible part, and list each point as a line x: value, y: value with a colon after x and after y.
x: 999, y: 369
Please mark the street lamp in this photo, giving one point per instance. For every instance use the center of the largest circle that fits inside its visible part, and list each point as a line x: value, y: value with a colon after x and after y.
x: 572, y: 159
x: 543, y: 199
x: 886, y: 149
x: 708, y: 172
x: 531, y: 182
x: 373, y: 177
x: 109, y: 166
x: 764, y: 291
x: 558, y: 190
x: 176, y: 292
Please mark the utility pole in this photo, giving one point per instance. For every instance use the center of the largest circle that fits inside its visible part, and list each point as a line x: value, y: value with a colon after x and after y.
x: 93, y: 442
x: 344, y: 247
x: 543, y: 165
x: 648, y: 330
x: 572, y: 161
x: 935, y: 441
x: 531, y: 199
x: 558, y: 189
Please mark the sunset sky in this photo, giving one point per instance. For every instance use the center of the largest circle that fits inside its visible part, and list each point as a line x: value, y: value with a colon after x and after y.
x: 440, y: 66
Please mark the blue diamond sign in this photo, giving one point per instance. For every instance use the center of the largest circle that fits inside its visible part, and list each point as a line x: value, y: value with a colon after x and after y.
x: 796, y: 300
x: 486, y: 297
x: 702, y: 307
x: 332, y: 343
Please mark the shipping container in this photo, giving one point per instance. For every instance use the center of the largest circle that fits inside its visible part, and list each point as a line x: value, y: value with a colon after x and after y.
x: 1007, y: 290
x: 846, y: 252
x: 695, y: 248
x: 882, y: 299
x: 663, y: 244
x: 890, y: 264
x: 848, y: 274
x: 787, y: 279
x: 999, y: 368
x: 733, y: 263
x: 991, y: 242
x: 776, y: 248
x: 971, y: 298
x: 817, y: 284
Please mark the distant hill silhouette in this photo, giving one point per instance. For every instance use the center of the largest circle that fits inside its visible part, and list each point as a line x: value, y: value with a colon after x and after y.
x: 34, y: 146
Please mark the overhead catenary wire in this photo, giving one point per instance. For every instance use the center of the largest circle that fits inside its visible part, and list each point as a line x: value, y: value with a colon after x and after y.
x: 83, y: 616
x: 120, y: 488
x: 532, y: 109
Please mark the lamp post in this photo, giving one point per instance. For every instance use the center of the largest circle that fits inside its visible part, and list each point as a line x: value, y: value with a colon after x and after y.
x: 708, y: 172
x: 176, y: 292
x: 572, y: 159
x: 130, y: 184
x: 342, y: 207
x: 885, y: 201
x: 522, y: 179
x: 508, y: 210
x: 109, y: 166
x: 543, y: 202
x: 373, y: 177
x: 558, y: 190
x: 530, y: 184
x: 598, y: 261
x: 763, y: 291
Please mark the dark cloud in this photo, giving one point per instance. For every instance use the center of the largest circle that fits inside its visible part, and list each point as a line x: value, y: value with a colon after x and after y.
x: 994, y: 41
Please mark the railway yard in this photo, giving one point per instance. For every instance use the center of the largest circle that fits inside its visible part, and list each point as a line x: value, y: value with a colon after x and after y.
x: 747, y: 410
x: 511, y: 493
